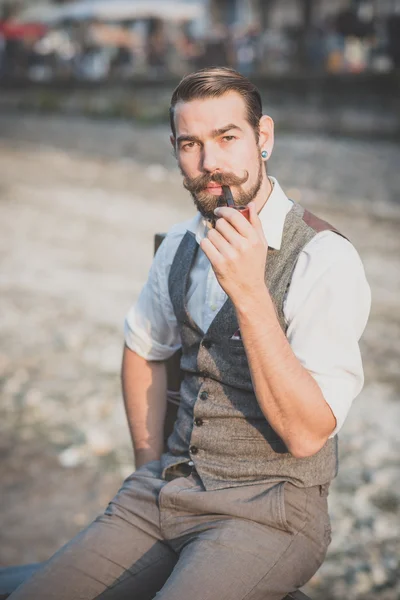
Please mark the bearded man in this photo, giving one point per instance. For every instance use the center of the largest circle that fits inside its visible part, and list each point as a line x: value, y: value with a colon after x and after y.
x: 268, y: 313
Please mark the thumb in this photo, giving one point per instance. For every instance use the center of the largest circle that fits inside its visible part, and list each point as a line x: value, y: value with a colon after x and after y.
x: 254, y: 218
x: 256, y: 222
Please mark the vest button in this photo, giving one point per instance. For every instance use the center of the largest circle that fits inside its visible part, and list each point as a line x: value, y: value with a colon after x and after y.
x: 207, y: 344
x: 193, y: 449
x: 198, y: 421
x: 203, y: 395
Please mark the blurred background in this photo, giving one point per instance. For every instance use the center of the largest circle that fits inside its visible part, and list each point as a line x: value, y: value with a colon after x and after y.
x: 98, y: 40
x: 87, y: 177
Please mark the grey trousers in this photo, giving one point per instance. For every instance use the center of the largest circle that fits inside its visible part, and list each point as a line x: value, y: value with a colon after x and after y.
x: 176, y: 541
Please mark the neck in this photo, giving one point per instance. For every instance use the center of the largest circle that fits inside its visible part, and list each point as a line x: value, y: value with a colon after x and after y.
x: 264, y: 193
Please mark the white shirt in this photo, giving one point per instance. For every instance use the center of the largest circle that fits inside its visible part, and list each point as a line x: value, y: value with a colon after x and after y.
x: 326, y: 308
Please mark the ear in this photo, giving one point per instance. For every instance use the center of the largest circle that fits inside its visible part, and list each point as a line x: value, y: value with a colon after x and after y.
x: 172, y: 140
x: 266, y: 139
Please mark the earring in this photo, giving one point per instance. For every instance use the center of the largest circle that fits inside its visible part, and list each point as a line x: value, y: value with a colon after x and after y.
x: 264, y: 154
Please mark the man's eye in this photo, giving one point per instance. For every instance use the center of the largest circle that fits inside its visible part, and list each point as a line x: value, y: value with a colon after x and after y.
x: 228, y: 138
x: 189, y: 145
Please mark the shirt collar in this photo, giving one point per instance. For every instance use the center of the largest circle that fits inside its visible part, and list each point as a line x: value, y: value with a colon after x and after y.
x: 272, y: 217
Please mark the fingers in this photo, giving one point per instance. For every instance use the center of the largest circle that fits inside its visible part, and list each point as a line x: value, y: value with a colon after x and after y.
x: 223, y: 244
x: 211, y: 252
x: 238, y: 221
x: 232, y: 222
x: 227, y: 230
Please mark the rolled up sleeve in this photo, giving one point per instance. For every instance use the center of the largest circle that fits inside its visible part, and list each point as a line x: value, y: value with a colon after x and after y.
x: 327, y: 308
x: 150, y: 328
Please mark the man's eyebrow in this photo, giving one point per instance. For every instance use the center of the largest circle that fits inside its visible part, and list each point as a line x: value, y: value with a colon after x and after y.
x: 187, y: 138
x: 222, y: 130
x: 215, y: 133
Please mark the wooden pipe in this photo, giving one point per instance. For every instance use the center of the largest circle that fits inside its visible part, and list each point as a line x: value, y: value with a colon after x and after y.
x: 244, y: 210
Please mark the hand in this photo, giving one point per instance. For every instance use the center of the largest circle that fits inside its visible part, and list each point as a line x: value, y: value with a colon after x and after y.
x: 237, y: 250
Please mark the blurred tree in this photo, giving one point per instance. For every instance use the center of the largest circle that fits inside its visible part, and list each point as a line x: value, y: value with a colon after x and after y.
x: 264, y: 8
x: 393, y: 33
x: 223, y: 11
x: 307, y: 10
x: 9, y: 10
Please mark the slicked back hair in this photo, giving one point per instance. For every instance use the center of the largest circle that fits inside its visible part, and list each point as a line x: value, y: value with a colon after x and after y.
x: 213, y: 82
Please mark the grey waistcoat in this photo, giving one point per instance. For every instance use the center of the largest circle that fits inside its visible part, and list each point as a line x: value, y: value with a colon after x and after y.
x: 220, y: 425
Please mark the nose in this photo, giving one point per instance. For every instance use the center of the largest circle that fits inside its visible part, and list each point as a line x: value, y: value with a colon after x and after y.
x: 210, y: 161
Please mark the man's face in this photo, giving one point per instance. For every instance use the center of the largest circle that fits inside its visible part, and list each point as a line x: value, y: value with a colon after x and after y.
x: 215, y: 145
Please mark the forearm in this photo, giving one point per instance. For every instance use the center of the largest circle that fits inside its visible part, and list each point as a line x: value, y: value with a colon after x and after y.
x: 144, y: 387
x: 288, y: 395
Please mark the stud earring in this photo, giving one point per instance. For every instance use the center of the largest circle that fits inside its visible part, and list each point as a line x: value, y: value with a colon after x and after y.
x: 264, y: 154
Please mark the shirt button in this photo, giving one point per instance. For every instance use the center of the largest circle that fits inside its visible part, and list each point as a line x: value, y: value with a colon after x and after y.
x: 198, y: 421
x: 203, y: 395
x: 207, y: 344
x: 193, y: 449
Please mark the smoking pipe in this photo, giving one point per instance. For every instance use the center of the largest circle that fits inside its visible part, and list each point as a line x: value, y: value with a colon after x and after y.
x: 227, y: 194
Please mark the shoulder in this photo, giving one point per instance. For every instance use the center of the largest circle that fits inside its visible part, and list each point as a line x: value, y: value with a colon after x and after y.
x: 177, y: 231
x: 327, y: 249
x: 330, y: 265
x: 329, y: 281
x: 174, y: 236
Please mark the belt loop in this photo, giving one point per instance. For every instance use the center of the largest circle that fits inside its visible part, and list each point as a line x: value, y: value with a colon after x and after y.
x: 324, y: 489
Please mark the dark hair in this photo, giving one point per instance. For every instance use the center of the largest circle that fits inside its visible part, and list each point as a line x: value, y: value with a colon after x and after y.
x: 214, y: 82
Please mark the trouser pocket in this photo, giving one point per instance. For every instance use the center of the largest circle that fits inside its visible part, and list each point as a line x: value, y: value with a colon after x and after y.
x: 293, y: 506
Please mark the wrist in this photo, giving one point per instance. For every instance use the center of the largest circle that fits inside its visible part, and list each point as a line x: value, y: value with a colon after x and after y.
x: 145, y: 455
x: 258, y: 302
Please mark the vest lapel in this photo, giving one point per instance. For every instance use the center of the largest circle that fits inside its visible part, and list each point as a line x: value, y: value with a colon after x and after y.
x: 178, y: 282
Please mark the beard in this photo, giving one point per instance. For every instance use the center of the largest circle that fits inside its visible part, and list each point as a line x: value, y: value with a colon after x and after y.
x: 206, y: 203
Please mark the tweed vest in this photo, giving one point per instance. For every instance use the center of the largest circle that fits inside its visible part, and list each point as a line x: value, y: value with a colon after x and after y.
x: 220, y: 425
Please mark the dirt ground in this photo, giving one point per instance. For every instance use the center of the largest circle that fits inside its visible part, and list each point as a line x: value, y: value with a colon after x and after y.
x: 80, y: 202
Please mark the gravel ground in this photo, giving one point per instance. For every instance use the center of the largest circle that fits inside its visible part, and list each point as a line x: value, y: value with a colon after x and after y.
x: 80, y: 202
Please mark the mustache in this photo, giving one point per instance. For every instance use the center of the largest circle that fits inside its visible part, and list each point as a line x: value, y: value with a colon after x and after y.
x: 198, y: 184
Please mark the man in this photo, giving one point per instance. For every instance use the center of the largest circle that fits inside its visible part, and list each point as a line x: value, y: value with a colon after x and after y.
x: 268, y: 313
